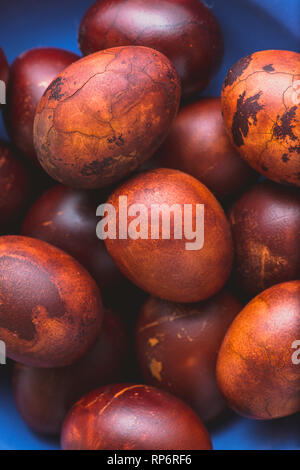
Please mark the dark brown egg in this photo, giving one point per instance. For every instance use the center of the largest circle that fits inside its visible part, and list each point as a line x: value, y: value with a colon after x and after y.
x: 133, y: 417
x: 265, y: 225
x: 31, y: 73
x: 256, y: 370
x: 105, y: 115
x: 260, y: 103
x: 171, y: 262
x: 178, y: 344
x: 4, y: 68
x: 14, y: 186
x: 50, y: 307
x: 44, y: 396
x: 186, y: 31
x: 198, y: 144
x: 66, y: 218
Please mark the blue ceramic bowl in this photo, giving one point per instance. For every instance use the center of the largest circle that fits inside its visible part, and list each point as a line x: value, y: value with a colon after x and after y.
x: 248, y: 25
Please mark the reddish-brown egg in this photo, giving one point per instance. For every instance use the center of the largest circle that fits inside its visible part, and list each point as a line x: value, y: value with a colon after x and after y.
x: 260, y: 103
x: 133, y: 417
x: 4, y: 68
x: 256, y: 370
x: 66, y: 218
x: 105, y: 115
x: 44, y: 396
x: 14, y: 186
x: 186, y: 31
x: 198, y: 144
x: 178, y: 253
x: 31, y: 73
x: 178, y: 344
x: 50, y: 307
x: 265, y: 225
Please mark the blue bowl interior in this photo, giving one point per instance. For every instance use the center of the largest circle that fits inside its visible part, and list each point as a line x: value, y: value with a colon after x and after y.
x: 248, y: 26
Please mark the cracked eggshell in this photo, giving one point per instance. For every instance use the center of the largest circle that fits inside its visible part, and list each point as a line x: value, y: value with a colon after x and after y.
x: 265, y: 225
x: 165, y: 268
x: 260, y: 103
x: 255, y: 370
x: 31, y: 73
x: 186, y: 31
x: 105, y: 115
x: 50, y: 307
x: 133, y: 417
x: 178, y: 344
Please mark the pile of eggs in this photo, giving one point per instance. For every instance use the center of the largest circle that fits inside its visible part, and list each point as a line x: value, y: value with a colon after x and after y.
x: 134, y: 342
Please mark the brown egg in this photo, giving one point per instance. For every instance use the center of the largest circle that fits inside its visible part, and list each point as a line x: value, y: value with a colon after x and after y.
x: 185, y: 31
x: 4, y: 68
x: 66, y: 218
x: 182, y: 267
x: 265, y: 225
x: 132, y: 417
x: 50, y: 307
x: 44, y: 396
x: 260, y: 103
x: 31, y: 73
x: 256, y: 371
x: 105, y: 115
x: 198, y: 144
x: 14, y: 186
x: 177, y: 346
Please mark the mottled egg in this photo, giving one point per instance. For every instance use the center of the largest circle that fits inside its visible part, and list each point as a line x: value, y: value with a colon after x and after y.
x: 50, y: 307
x: 44, y: 396
x: 105, y: 115
x: 171, y: 237
x: 133, y: 417
x: 186, y: 31
x: 178, y: 344
x: 265, y: 224
x: 257, y: 370
x: 31, y: 73
x: 260, y: 103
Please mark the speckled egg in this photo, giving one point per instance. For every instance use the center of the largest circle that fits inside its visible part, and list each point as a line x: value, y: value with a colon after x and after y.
x: 256, y: 370
x: 105, y: 115
x: 30, y: 74
x: 160, y: 259
x: 133, y: 417
x: 186, y: 31
x: 265, y: 223
x: 178, y: 344
x: 50, y: 307
x: 260, y: 103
